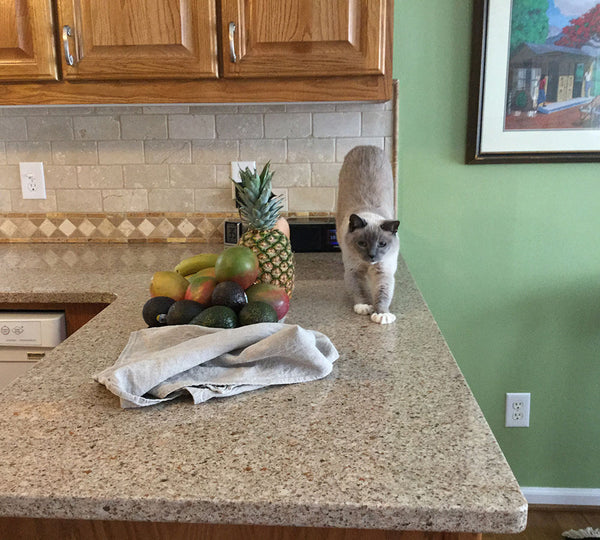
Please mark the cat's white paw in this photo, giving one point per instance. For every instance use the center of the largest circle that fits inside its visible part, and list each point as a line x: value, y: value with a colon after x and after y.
x: 363, y: 309
x: 383, y: 318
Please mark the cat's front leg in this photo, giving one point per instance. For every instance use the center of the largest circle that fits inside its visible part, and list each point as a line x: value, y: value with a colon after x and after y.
x: 356, y: 284
x: 383, y: 293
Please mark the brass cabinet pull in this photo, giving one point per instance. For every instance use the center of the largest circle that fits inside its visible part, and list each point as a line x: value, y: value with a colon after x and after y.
x: 232, y: 55
x: 66, y: 33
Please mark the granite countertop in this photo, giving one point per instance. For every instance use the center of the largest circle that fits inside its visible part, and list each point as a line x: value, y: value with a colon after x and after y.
x: 391, y: 439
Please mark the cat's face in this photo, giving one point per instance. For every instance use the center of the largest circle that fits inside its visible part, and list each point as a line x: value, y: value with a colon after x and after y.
x: 372, y: 241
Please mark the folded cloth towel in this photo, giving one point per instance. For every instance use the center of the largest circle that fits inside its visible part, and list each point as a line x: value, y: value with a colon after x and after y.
x: 160, y: 364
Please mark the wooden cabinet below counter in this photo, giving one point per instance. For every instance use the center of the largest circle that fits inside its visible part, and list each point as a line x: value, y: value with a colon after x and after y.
x: 171, y: 51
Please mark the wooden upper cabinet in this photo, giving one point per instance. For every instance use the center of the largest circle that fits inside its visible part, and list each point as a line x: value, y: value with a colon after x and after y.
x: 296, y: 38
x: 138, y: 39
x: 27, y: 40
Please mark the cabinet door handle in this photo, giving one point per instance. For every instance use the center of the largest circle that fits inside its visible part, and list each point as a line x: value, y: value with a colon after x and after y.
x: 66, y: 33
x: 232, y: 55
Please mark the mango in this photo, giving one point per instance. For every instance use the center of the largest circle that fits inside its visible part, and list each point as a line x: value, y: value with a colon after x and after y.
x: 200, y: 289
x: 167, y: 283
x: 238, y: 264
x: 276, y: 297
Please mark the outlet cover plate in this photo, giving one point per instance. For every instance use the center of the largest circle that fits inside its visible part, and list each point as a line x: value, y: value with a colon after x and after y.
x: 517, y: 409
x: 33, y: 185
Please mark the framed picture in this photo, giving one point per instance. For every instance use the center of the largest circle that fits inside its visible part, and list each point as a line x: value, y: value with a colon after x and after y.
x: 535, y: 81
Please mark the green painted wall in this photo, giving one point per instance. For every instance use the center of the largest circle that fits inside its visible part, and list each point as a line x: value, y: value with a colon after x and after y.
x: 507, y: 257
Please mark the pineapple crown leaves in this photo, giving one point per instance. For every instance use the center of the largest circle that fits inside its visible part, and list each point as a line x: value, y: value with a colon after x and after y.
x: 258, y: 206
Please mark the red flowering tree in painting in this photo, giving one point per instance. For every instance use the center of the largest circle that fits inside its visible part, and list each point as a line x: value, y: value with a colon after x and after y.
x: 582, y: 30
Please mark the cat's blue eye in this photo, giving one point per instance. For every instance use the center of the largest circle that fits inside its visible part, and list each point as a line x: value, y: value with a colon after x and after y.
x: 382, y: 244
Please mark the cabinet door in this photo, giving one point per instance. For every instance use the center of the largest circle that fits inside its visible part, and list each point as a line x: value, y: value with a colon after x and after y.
x: 27, y: 40
x: 139, y: 39
x: 290, y: 38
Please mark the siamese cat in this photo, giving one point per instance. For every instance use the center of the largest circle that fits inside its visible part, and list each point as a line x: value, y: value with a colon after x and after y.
x: 366, y: 231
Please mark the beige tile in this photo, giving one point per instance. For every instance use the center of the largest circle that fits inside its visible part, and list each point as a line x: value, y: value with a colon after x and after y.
x: 171, y: 200
x: 214, y: 200
x: 28, y: 151
x: 344, y: 145
x: 99, y: 176
x: 359, y: 106
x: 167, y: 152
x: 192, y: 175
x: 263, y: 150
x: 117, y: 110
x: 144, y: 127
x: 9, y: 177
x: 72, y: 110
x: 288, y: 125
x: 96, y: 128
x: 310, y: 107
x: 261, y: 108
x: 239, y: 126
x: 288, y: 175
x: 216, y: 151
x: 13, y: 129
x: 311, y: 150
x: 166, y: 109
x: 30, y: 110
x: 213, y: 109
x: 146, y: 176
x: 74, y: 153
x: 2, y: 153
x: 325, y: 174
x: 78, y: 200
x: 124, y: 200
x: 33, y: 205
x: 223, y: 176
x: 315, y: 199
x: 49, y: 128
x: 377, y: 123
x: 191, y: 126
x: 338, y: 124
x: 120, y: 152
x: 5, y: 205
x: 60, y: 176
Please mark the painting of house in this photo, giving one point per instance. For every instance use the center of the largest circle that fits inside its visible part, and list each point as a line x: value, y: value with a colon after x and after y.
x: 554, y: 69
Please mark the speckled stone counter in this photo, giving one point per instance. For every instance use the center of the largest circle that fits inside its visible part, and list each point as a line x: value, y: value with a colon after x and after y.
x: 392, y: 439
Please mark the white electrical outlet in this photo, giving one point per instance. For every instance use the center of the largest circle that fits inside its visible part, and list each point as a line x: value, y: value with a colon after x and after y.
x: 33, y: 184
x: 236, y: 167
x: 517, y: 409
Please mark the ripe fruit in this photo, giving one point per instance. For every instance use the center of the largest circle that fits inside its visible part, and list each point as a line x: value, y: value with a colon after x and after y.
x: 200, y: 289
x: 166, y: 283
x: 216, y: 317
x: 237, y: 264
x: 259, y: 210
x: 191, y: 265
x: 183, y: 311
x: 275, y: 296
x: 257, y: 312
x: 155, y: 310
x: 209, y: 271
x: 230, y: 294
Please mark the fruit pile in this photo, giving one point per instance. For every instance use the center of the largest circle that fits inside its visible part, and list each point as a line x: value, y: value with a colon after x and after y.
x: 216, y: 290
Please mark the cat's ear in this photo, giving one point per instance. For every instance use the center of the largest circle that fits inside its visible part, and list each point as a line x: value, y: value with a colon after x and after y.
x: 390, y: 226
x: 356, y: 222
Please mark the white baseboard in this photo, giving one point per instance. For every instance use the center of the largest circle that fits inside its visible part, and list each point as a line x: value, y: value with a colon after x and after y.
x: 566, y: 496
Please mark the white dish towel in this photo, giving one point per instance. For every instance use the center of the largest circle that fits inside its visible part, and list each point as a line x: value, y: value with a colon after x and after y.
x: 160, y: 364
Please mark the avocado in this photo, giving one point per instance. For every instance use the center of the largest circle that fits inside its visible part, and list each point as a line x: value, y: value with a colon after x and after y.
x: 216, y: 317
x: 155, y: 310
x: 257, y: 312
x: 183, y: 311
x: 230, y: 294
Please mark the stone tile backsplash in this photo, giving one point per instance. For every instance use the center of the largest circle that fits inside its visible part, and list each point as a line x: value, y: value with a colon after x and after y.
x: 132, y: 160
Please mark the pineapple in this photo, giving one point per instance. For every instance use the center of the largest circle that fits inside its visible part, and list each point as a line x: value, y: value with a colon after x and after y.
x: 259, y: 211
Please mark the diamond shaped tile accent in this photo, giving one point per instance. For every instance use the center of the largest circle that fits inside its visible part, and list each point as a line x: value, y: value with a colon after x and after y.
x: 145, y: 227
x: 70, y: 258
x: 86, y: 227
x: 47, y: 227
x: 106, y: 227
x: 126, y: 227
x: 206, y: 228
x: 67, y: 228
x: 164, y: 228
x: 8, y: 227
x: 185, y: 227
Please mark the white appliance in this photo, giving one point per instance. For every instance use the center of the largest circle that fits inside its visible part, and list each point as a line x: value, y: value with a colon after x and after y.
x: 25, y: 337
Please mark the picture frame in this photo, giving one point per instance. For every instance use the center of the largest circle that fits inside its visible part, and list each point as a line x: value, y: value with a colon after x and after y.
x: 507, y: 121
